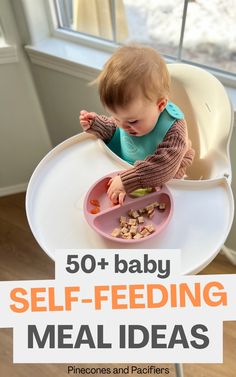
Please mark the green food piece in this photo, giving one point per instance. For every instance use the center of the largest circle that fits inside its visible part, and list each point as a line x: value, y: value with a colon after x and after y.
x: 141, y: 192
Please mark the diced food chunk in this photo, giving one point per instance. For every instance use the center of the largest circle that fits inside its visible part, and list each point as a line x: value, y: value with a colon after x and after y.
x: 96, y: 205
x: 95, y: 202
x: 162, y: 206
x: 133, y: 226
x: 127, y: 236
x: 123, y: 221
x: 149, y: 208
x: 151, y: 213
x: 137, y: 236
x: 150, y: 228
x: 134, y: 214
x: 145, y: 232
x: 140, y: 219
x: 95, y: 210
x: 115, y: 232
x: 132, y: 222
x: 133, y: 230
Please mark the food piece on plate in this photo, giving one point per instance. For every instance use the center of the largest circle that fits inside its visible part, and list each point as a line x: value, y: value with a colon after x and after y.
x: 124, y: 230
x: 133, y: 230
x: 115, y: 232
x: 150, y: 207
x: 141, y: 211
x: 141, y: 220
x: 141, y: 192
x: 138, y: 236
x: 133, y: 213
x: 145, y: 232
x: 151, y: 213
x: 162, y: 206
x: 132, y: 222
x: 123, y: 221
x: 150, y: 228
x: 127, y: 236
x: 95, y: 210
x: 94, y: 202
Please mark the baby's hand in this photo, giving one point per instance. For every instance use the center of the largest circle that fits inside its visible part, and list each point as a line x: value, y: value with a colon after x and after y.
x: 86, y: 118
x: 116, y: 191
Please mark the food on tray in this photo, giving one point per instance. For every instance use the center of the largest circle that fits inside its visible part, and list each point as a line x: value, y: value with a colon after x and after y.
x: 133, y: 226
x: 141, y: 192
x: 95, y: 210
x: 95, y: 202
x: 96, y: 205
x: 116, y: 232
x: 162, y: 207
x: 133, y: 214
x: 140, y: 219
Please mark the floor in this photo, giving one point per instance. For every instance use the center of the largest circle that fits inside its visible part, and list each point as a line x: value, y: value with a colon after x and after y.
x: 22, y: 259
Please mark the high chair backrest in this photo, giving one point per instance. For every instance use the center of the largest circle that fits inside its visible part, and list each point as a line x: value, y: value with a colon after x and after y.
x: 209, y: 116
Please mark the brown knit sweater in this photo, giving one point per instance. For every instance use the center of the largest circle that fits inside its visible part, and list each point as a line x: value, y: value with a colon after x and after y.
x: 171, y: 159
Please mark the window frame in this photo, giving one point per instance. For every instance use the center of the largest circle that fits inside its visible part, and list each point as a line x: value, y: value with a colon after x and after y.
x: 226, y: 77
x: 8, y: 52
x: 76, y: 37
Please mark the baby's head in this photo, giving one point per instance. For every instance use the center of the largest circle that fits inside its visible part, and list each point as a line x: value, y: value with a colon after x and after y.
x: 134, y: 88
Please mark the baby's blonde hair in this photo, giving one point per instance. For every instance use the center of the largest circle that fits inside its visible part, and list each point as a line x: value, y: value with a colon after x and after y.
x: 131, y: 69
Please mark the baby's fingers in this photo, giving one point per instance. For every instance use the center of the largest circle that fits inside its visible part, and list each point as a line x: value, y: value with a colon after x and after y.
x: 91, y: 116
x: 83, y: 112
x: 108, y: 186
x: 85, y: 126
x: 114, y: 198
x: 87, y: 116
x: 121, y: 197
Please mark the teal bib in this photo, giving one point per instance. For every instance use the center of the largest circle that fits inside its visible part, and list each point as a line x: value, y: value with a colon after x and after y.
x: 133, y: 148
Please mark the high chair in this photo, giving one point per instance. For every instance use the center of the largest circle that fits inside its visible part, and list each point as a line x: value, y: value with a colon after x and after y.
x: 210, y: 119
x: 209, y: 116
x: 203, y: 202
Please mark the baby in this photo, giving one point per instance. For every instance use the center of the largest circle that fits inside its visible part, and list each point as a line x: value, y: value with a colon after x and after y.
x: 145, y: 128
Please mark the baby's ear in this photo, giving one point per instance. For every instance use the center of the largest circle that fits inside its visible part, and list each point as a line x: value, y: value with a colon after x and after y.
x: 162, y: 104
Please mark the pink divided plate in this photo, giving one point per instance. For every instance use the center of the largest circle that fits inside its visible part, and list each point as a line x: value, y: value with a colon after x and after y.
x: 108, y: 218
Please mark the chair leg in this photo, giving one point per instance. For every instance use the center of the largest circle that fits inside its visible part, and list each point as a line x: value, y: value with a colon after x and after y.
x: 230, y: 254
x: 179, y: 372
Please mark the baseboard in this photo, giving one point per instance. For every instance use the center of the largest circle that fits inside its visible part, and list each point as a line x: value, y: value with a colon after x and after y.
x: 4, y: 191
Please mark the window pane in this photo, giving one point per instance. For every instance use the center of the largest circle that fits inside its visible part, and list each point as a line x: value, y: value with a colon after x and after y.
x: 210, y: 33
x: 2, y: 39
x: 100, y: 18
x: 209, y: 37
x: 155, y: 22
x: 148, y: 22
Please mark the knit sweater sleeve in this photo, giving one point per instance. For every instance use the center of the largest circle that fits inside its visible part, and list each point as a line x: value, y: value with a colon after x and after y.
x: 103, y: 127
x: 170, y: 160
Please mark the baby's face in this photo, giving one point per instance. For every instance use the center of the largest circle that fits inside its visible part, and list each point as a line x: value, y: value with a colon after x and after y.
x: 139, y: 117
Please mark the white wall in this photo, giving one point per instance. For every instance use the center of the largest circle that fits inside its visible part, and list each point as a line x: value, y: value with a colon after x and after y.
x: 62, y: 97
x: 24, y: 138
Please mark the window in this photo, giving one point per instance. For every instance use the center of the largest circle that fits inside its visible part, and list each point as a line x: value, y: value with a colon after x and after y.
x: 2, y: 39
x: 197, y: 31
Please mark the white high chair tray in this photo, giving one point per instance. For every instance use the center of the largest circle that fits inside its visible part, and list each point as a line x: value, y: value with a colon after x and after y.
x: 203, y: 210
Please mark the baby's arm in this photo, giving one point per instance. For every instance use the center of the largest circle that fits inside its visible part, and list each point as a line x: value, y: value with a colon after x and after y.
x: 170, y: 160
x: 99, y: 125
